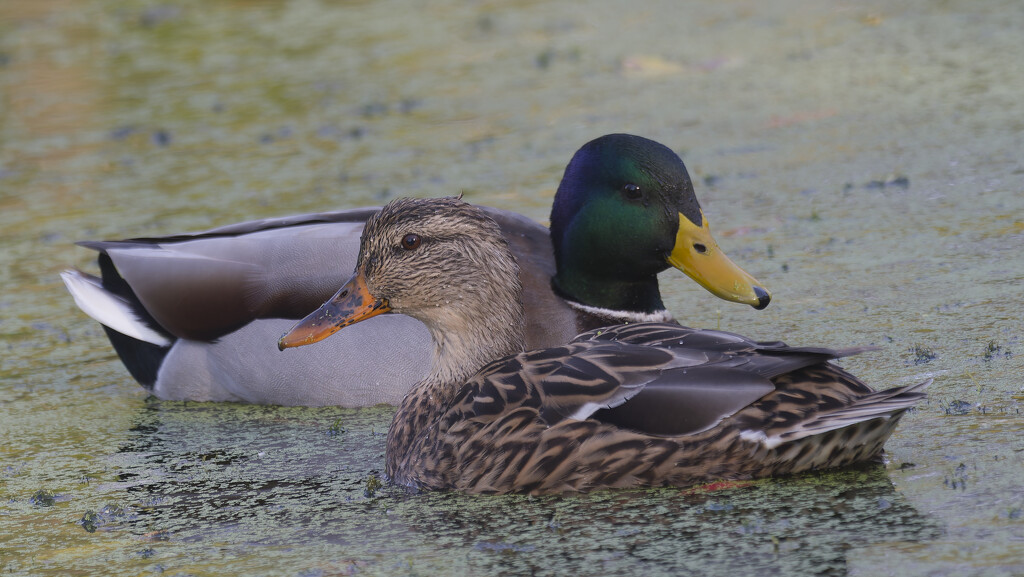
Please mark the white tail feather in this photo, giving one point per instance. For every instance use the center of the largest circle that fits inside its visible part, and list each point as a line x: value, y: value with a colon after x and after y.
x: 109, y: 309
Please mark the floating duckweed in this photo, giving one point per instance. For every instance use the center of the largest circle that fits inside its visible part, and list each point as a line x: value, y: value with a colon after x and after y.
x: 993, y: 350
x: 893, y: 180
x: 958, y: 480
x: 89, y: 521
x: 43, y: 498
x: 956, y: 407
x: 922, y: 354
x: 336, y: 429
x: 543, y: 60
x: 503, y: 547
x: 373, y: 484
x: 92, y: 520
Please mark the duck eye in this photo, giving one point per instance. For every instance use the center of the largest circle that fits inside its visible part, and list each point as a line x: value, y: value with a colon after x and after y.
x: 411, y: 241
x: 700, y: 248
x: 632, y: 192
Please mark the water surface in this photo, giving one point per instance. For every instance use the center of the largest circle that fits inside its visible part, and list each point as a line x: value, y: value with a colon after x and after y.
x: 861, y: 159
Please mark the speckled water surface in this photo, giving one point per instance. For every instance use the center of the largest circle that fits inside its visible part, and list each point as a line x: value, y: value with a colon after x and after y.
x: 862, y: 159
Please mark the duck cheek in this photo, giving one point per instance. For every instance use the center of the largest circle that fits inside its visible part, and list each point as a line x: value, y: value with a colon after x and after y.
x: 413, y: 303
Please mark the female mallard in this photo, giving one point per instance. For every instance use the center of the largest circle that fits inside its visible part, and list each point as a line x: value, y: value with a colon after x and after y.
x: 645, y: 404
x: 196, y: 316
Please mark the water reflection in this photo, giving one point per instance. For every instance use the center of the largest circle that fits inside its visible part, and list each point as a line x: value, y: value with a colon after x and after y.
x: 804, y: 525
x: 269, y: 480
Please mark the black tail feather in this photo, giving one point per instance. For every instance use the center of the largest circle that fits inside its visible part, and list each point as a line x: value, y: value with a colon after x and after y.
x: 142, y: 359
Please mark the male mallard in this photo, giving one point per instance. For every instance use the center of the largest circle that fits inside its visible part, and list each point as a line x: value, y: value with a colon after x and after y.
x: 644, y: 404
x: 196, y: 316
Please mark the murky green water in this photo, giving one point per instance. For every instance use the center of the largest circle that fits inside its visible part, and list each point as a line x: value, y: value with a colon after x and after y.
x: 863, y: 160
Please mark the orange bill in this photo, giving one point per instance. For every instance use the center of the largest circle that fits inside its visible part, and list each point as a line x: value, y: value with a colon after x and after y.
x: 697, y: 254
x: 351, y: 304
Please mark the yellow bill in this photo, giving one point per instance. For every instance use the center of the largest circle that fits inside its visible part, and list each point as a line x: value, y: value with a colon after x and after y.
x: 697, y: 254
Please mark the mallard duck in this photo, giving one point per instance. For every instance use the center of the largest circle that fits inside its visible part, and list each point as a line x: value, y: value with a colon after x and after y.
x: 196, y: 316
x: 644, y: 404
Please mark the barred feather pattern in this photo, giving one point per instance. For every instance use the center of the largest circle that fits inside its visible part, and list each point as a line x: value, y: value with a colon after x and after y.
x: 515, y: 426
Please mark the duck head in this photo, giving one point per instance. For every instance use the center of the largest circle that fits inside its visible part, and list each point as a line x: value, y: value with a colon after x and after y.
x: 625, y: 211
x: 441, y: 261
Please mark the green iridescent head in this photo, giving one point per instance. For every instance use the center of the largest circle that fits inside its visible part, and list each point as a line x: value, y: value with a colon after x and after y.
x: 625, y: 211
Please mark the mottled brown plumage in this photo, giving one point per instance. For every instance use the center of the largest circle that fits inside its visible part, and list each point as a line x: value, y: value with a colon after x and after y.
x: 647, y: 404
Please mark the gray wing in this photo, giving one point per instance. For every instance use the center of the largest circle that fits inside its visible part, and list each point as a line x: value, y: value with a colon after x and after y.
x: 203, y: 286
x: 650, y: 389
x: 734, y: 373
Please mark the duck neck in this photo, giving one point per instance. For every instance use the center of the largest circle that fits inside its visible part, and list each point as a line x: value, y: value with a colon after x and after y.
x: 464, y: 342
x: 459, y: 354
x: 637, y: 295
